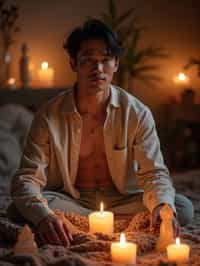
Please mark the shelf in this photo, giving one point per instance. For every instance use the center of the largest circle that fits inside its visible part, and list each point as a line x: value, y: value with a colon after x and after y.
x: 28, y: 97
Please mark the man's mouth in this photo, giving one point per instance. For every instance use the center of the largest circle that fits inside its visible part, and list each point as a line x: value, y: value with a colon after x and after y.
x: 97, y: 78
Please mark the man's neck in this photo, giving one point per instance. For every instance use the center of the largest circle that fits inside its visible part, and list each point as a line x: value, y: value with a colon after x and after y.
x: 92, y: 103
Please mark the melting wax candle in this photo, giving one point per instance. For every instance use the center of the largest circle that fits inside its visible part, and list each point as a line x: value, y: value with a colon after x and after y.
x: 124, y: 252
x: 101, y: 221
x: 46, y: 75
x: 178, y: 252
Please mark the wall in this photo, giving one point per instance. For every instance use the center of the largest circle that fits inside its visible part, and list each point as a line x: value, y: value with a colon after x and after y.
x: 171, y: 24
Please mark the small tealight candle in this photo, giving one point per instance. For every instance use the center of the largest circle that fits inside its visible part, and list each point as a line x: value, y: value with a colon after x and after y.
x: 46, y: 75
x: 101, y: 221
x: 12, y: 83
x: 124, y: 252
x: 178, y: 252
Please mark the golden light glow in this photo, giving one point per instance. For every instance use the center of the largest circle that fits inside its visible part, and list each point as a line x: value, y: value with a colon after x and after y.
x: 181, y: 78
x: 31, y: 67
x: 11, y: 81
x: 44, y: 65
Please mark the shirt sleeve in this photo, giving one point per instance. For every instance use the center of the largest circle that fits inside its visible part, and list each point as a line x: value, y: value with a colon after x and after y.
x: 152, y: 174
x: 31, y: 178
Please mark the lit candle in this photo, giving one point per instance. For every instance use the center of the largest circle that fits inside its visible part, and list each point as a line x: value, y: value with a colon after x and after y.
x: 124, y: 252
x: 178, y: 252
x: 101, y: 222
x: 46, y: 75
x: 181, y: 78
x: 12, y: 83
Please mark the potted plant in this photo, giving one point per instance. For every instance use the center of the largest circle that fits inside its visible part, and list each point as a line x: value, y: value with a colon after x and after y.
x: 136, y: 62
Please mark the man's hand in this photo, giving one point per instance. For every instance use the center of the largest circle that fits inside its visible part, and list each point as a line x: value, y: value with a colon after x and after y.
x: 52, y: 230
x: 155, y: 221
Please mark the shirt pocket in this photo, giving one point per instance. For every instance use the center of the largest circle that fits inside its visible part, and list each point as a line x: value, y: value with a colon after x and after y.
x: 120, y: 159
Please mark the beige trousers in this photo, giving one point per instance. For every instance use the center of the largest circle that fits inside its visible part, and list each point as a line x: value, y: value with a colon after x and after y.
x: 90, y: 200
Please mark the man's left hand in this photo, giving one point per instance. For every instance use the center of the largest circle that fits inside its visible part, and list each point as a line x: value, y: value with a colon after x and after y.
x: 155, y: 221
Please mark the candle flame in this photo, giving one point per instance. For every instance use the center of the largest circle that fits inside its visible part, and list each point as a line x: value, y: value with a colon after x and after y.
x: 44, y: 65
x: 181, y: 76
x: 122, y: 238
x: 178, y: 241
x: 11, y: 81
x: 101, y: 207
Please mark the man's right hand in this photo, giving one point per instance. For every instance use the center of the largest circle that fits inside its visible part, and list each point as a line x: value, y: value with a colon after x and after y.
x: 52, y: 230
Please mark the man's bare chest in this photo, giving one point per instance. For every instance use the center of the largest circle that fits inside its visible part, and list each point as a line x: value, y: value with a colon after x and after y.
x: 93, y: 166
x: 92, y: 139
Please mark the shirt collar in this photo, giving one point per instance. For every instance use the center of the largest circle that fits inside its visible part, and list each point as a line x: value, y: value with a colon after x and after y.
x: 69, y: 104
x: 114, y: 96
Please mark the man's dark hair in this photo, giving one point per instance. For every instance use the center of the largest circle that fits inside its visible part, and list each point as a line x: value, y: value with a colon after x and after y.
x: 92, y: 29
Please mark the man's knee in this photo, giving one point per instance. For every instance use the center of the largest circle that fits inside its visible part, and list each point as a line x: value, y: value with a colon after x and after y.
x: 185, y: 209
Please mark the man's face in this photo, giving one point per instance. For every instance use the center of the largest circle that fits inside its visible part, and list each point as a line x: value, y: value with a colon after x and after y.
x: 94, y: 66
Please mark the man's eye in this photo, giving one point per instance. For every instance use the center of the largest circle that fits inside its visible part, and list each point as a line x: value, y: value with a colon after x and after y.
x: 85, y: 60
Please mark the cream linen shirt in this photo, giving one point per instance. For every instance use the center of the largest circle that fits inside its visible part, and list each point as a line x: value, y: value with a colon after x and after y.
x: 51, y: 156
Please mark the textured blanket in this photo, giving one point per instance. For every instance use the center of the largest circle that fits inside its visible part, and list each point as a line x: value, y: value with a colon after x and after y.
x: 94, y: 249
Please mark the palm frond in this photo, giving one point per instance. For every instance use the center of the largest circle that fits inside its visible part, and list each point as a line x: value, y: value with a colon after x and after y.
x: 136, y: 60
x: 112, y: 9
x: 127, y: 32
x: 192, y: 62
x: 149, y: 83
x: 146, y: 68
x: 150, y: 77
x: 152, y: 52
x: 124, y: 17
x: 107, y: 19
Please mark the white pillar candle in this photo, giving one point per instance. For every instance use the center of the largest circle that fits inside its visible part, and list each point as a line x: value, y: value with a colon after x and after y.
x: 101, y: 221
x: 178, y: 252
x: 46, y: 76
x: 124, y: 252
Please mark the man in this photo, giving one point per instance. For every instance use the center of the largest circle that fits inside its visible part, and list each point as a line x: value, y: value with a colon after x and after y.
x: 93, y: 143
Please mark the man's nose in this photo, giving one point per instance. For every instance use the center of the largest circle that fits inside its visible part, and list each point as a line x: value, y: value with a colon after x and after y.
x: 98, y: 65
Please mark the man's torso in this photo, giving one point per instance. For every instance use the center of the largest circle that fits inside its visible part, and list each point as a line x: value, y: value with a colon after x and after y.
x: 93, y: 167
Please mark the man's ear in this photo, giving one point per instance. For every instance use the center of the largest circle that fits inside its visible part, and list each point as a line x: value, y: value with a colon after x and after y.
x: 73, y: 65
x: 116, y: 64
